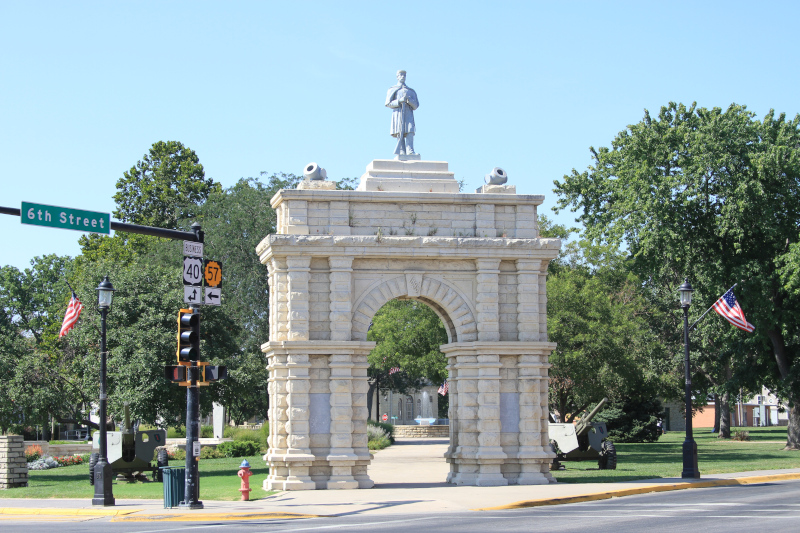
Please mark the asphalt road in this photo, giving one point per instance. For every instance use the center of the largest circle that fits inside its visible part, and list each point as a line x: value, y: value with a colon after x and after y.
x: 774, y: 507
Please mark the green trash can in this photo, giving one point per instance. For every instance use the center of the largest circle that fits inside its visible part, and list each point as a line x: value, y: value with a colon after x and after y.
x: 174, y: 485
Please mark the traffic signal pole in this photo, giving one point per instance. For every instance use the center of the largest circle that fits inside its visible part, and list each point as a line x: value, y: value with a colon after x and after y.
x: 189, y: 348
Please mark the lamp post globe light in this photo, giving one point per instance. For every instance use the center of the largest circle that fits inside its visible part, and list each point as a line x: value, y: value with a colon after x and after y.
x: 690, y: 469
x: 103, y: 474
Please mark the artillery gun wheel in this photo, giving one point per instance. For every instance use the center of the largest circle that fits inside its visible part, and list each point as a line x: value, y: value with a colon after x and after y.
x: 92, y: 461
x: 608, y: 456
x: 162, y: 459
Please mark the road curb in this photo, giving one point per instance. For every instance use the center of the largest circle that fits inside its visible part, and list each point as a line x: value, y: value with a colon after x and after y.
x: 65, y: 512
x: 604, y: 495
x: 202, y: 517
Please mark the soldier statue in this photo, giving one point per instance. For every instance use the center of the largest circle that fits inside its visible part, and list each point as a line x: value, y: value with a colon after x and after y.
x: 402, y: 99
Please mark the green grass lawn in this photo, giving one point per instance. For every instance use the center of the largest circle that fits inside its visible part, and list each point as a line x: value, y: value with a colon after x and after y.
x: 764, y: 451
x: 218, y: 481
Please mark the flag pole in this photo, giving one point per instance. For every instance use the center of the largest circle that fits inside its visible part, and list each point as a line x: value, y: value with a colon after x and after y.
x: 710, y: 308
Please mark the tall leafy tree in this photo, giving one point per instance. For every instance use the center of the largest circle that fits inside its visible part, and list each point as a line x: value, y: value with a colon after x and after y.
x: 598, y: 317
x: 712, y: 195
x: 168, y: 184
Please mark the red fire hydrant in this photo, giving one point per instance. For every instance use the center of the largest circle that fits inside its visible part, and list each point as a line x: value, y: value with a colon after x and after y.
x: 245, y: 474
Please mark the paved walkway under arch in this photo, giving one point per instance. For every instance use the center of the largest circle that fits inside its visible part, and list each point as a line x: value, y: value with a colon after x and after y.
x: 411, y: 463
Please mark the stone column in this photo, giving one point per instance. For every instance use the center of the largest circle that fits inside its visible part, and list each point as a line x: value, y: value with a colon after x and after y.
x: 299, y: 275
x: 490, y: 454
x: 359, y: 423
x: 543, y: 302
x: 534, y: 454
x: 13, y: 467
x: 464, y: 468
x: 341, y: 316
x: 528, y: 299
x: 279, y: 300
x: 488, y: 299
x: 290, y: 457
x: 341, y: 457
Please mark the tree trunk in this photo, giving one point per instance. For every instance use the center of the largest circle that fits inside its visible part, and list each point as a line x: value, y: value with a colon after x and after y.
x: 725, y: 416
x: 779, y: 349
x: 793, y: 433
x: 716, y: 414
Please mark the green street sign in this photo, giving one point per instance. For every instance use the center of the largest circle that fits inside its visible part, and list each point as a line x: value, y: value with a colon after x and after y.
x: 65, y: 218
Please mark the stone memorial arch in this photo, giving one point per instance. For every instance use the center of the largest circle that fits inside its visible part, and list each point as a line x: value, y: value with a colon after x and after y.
x: 406, y: 232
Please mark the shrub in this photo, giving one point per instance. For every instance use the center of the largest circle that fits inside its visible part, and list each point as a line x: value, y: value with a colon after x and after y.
x: 377, y: 438
x: 741, y: 435
x: 70, y: 460
x: 632, y: 420
x: 388, y: 428
x: 176, y: 454
x: 176, y: 433
x: 208, y: 452
x: 33, y: 452
x: 207, y: 432
x: 241, y: 448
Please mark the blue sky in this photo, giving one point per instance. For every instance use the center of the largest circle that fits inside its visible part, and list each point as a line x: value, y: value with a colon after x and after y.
x: 87, y: 87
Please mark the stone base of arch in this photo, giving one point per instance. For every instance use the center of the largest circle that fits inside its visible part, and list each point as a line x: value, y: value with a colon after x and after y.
x: 318, y: 415
x: 498, y: 412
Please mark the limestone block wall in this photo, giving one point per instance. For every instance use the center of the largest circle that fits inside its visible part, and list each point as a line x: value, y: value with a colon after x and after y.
x: 13, y: 467
x: 322, y: 212
x: 421, y: 432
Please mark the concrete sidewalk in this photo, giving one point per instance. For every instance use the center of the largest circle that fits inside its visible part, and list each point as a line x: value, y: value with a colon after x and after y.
x: 409, y: 478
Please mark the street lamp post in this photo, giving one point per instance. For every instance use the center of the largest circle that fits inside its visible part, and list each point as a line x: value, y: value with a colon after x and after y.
x: 690, y: 469
x: 103, y: 473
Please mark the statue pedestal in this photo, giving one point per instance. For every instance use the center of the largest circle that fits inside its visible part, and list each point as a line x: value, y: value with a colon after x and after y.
x: 393, y: 175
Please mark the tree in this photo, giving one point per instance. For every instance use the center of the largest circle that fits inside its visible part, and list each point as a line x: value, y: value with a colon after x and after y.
x: 712, y: 195
x: 167, y: 185
x: 598, y: 319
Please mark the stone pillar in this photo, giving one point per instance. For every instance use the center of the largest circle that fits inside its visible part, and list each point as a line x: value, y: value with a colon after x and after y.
x: 279, y: 300
x: 341, y: 457
x: 13, y: 467
x: 488, y: 299
x: 528, y: 299
x: 543, y: 302
x: 359, y: 423
x: 299, y: 275
x: 290, y: 455
x: 463, y: 462
x: 341, y: 315
x: 490, y: 454
x: 534, y: 454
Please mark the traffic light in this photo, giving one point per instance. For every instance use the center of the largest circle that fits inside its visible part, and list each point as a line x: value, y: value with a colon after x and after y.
x: 214, y: 373
x: 175, y: 373
x: 188, y: 335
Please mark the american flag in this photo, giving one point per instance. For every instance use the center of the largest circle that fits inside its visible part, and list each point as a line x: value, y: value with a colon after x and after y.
x: 728, y: 307
x: 71, y: 317
x: 443, y: 388
x: 393, y: 370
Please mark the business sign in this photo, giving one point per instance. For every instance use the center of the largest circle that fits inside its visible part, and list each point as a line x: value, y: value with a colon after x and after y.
x: 52, y: 216
x: 193, y: 249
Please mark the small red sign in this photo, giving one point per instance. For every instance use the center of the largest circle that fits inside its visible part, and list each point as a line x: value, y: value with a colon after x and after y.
x: 385, y: 417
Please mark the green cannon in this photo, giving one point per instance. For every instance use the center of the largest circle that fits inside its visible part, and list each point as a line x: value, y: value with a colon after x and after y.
x: 584, y: 441
x: 131, y: 452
